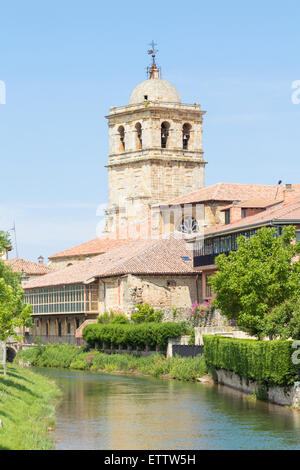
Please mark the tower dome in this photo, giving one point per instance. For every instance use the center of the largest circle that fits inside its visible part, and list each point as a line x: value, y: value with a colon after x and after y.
x: 155, y: 89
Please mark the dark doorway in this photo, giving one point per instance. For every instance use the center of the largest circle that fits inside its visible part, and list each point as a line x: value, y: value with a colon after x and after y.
x: 10, y: 354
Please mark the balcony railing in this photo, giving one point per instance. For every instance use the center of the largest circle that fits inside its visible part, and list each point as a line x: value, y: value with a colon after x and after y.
x: 207, y: 260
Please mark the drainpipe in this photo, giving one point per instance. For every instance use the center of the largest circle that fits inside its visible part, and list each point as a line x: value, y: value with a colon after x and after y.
x: 197, y: 288
x: 104, y: 294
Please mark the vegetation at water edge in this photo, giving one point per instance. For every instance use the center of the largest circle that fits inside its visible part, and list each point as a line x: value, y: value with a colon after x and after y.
x: 68, y: 356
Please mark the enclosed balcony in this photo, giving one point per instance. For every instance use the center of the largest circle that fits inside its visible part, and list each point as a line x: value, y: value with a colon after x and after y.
x: 206, y: 250
x: 64, y: 299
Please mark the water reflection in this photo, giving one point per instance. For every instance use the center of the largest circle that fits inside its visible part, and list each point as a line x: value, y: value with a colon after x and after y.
x: 119, y: 412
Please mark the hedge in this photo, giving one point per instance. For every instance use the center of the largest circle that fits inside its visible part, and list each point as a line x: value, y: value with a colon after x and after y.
x: 141, y: 335
x: 267, y: 362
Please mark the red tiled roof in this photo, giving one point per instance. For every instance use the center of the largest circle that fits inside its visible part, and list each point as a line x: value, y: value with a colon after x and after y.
x: 232, y: 192
x: 282, y: 212
x: 28, y: 267
x: 162, y: 256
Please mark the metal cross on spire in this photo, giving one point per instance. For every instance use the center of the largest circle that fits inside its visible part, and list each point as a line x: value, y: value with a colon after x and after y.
x: 153, y: 51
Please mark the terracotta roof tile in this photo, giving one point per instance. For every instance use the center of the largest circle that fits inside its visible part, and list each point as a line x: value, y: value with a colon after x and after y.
x: 281, y: 212
x: 29, y: 267
x: 231, y: 192
x: 162, y: 256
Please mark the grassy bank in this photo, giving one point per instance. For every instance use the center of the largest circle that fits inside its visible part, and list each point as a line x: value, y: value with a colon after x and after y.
x: 27, y: 407
x: 59, y: 355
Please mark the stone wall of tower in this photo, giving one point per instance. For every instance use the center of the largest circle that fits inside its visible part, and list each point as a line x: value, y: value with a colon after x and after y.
x: 139, y: 177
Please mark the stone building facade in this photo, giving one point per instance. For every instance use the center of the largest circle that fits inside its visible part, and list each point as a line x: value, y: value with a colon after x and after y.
x: 158, y: 272
x: 155, y: 151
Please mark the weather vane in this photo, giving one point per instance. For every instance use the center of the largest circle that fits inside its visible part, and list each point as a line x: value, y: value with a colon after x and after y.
x: 153, y: 51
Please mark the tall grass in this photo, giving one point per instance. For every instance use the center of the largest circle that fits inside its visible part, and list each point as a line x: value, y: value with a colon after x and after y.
x: 187, y: 369
x: 26, y: 409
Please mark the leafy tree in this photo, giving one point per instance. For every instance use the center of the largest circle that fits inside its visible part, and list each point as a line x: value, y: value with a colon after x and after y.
x: 262, y: 274
x: 5, y: 243
x: 13, y: 313
x: 284, y: 320
x: 146, y: 314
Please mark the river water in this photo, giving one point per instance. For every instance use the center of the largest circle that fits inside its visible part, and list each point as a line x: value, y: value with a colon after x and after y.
x: 115, y: 412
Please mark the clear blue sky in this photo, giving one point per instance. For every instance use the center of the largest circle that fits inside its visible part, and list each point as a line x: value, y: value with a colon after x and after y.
x: 66, y: 62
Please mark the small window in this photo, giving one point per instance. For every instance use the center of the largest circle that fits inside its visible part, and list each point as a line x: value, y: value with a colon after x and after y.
x: 188, y: 225
x: 298, y: 235
x: 171, y: 283
x: 243, y: 213
x: 227, y: 217
x: 208, y: 290
x: 146, y: 97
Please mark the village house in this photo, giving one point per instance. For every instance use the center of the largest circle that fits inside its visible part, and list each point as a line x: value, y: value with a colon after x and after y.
x: 157, y: 272
x: 210, y: 206
x: 244, y: 218
x: 28, y: 269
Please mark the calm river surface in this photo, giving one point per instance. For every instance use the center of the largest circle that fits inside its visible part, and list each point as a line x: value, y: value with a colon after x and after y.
x: 124, y: 412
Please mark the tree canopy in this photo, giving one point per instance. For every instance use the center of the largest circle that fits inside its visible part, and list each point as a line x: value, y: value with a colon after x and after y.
x: 262, y: 274
x: 13, y: 312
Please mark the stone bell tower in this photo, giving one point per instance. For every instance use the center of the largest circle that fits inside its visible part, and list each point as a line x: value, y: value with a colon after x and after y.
x: 155, y: 151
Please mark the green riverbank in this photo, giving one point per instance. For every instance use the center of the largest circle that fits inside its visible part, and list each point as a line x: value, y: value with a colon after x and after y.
x: 156, y: 365
x: 27, y: 410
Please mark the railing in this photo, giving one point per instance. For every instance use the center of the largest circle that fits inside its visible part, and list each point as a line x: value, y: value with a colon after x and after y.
x: 186, y: 350
x: 52, y: 339
x: 207, y: 260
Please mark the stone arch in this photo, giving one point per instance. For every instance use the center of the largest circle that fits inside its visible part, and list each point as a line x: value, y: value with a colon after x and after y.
x: 139, y: 136
x: 186, y: 134
x: 165, y: 130
x: 121, y: 133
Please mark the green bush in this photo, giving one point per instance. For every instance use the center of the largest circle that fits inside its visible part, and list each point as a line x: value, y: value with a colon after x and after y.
x: 187, y: 369
x: 146, y: 314
x: 267, y: 362
x: 111, y: 317
x: 141, y: 335
x: 52, y: 355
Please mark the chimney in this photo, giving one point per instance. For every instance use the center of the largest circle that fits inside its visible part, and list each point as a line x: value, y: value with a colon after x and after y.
x: 41, y: 260
x: 235, y: 212
x: 288, y: 194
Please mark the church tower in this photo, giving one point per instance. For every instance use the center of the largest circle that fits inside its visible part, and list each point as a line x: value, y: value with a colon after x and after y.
x: 155, y: 150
